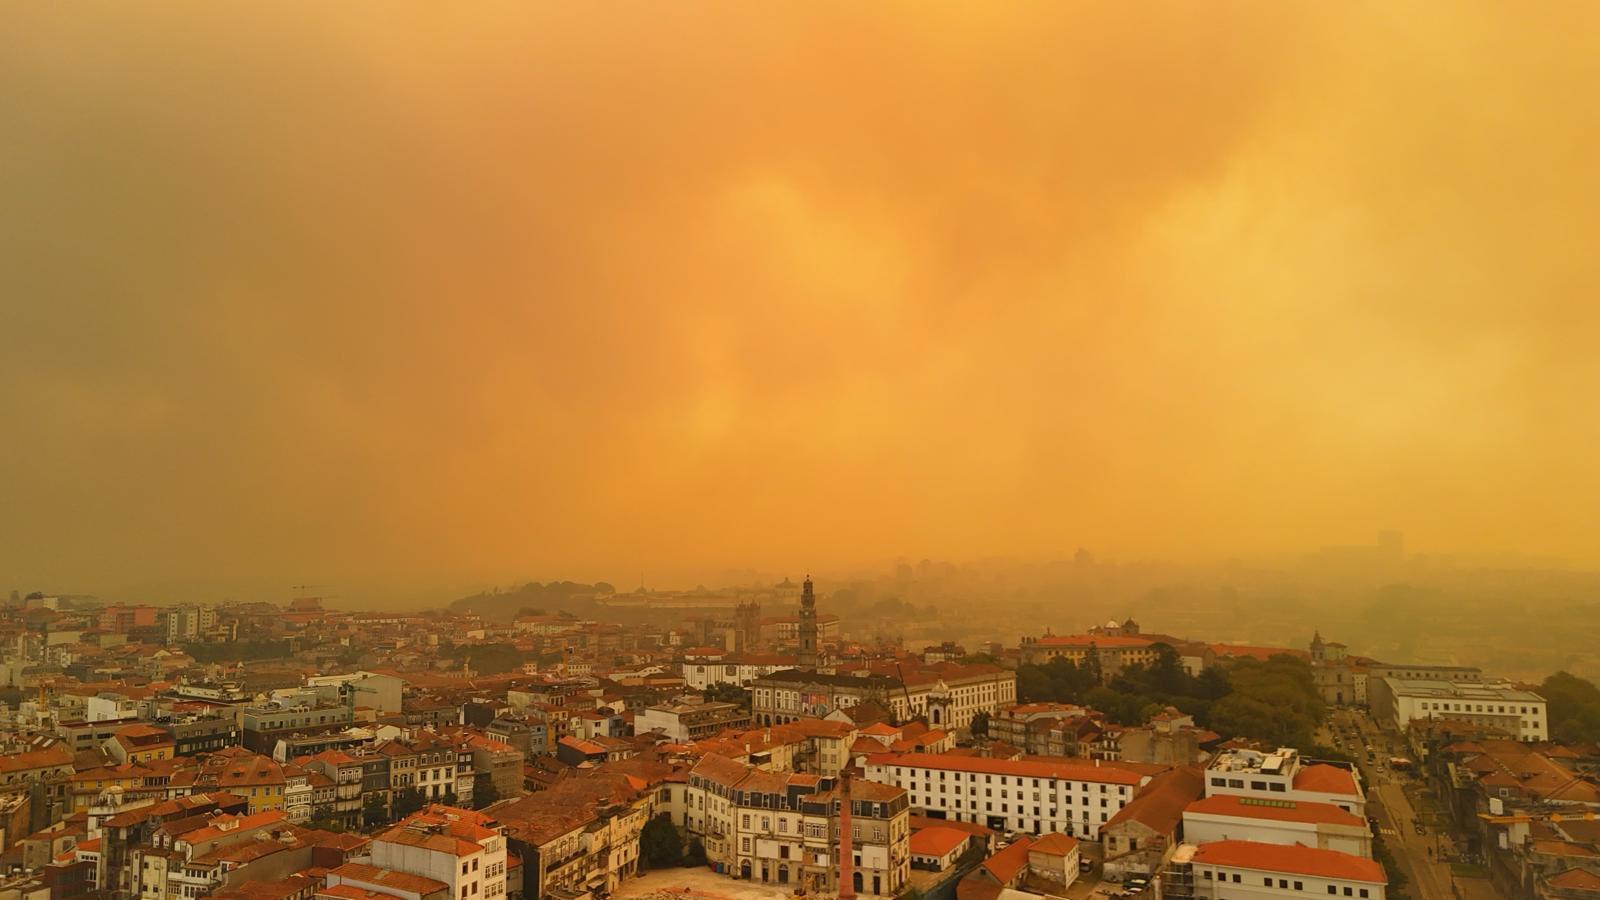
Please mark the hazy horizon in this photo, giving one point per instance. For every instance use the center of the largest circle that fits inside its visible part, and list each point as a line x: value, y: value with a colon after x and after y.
x: 362, y: 296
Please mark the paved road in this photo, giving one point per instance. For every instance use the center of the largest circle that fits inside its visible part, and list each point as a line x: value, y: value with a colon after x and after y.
x: 1387, y: 802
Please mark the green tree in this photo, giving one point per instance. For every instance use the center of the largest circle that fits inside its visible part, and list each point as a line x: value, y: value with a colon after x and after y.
x: 326, y: 823
x: 660, y: 844
x: 484, y: 792
x: 488, y: 659
x: 1397, y: 878
x: 979, y: 727
x: 1091, y: 664
x: 727, y: 692
x: 696, y: 855
x: 1573, y: 706
x: 374, y: 810
x: 407, y: 801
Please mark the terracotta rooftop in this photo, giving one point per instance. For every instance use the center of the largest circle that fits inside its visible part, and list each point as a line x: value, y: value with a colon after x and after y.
x: 1325, y: 779
x: 1054, y: 844
x: 1275, y: 810
x: 1159, y: 805
x: 1291, y: 858
x: 401, y: 881
x: 1576, y: 880
x: 1005, y: 865
x: 937, y: 841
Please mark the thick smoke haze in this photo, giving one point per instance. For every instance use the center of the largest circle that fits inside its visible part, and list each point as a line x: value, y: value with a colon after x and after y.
x: 563, y: 289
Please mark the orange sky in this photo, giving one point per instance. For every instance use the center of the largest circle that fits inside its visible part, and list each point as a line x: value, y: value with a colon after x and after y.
x: 564, y: 289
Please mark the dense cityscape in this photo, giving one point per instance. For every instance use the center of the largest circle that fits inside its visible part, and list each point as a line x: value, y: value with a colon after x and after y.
x: 881, y: 450
x: 248, y: 750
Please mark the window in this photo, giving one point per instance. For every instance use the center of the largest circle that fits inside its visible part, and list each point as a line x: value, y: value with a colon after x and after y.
x: 1299, y: 886
x: 1363, y: 892
x: 1332, y: 889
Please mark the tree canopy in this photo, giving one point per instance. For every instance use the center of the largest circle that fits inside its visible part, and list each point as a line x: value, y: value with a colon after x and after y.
x: 1573, y: 707
x: 1273, y: 700
x: 660, y: 844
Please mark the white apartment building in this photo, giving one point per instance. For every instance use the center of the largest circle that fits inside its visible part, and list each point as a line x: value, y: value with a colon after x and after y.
x: 1248, y: 870
x: 1073, y: 797
x: 701, y: 672
x: 1226, y: 817
x: 1500, y: 704
x: 1283, y: 775
x: 686, y: 721
x: 455, y: 846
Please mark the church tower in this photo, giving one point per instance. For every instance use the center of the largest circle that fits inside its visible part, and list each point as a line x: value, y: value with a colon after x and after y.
x: 808, y: 626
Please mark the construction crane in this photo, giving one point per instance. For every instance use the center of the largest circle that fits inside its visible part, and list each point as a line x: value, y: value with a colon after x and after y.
x: 350, y: 689
x: 910, y: 713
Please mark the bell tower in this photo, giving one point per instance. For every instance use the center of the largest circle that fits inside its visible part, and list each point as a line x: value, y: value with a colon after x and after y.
x: 808, y: 626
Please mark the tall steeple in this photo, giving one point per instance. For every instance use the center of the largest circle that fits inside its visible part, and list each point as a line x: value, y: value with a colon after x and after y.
x: 808, y: 626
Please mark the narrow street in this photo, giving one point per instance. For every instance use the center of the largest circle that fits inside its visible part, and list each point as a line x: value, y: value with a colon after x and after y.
x: 1418, y: 855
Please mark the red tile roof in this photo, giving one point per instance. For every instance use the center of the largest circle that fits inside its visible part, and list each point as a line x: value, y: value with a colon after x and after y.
x: 1276, y: 810
x: 937, y: 841
x: 1571, y: 879
x: 1055, y: 844
x: 402, y: 881
x: 1291, y: 858
x: 1325, y: 779
x: 1159, y: 806
x: 1008, y: 863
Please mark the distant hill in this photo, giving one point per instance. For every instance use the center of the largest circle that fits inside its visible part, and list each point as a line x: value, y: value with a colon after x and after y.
x: 555, y: 597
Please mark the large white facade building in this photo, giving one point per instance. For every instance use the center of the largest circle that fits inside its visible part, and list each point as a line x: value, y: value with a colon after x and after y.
x: 702, y: 671
x: 1073, y: 797
x: 1249, y: 870
x: 1276, y: 821
x: 1500, y: 704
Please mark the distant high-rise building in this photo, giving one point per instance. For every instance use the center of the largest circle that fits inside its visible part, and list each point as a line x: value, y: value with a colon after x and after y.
x: 808, y: 626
